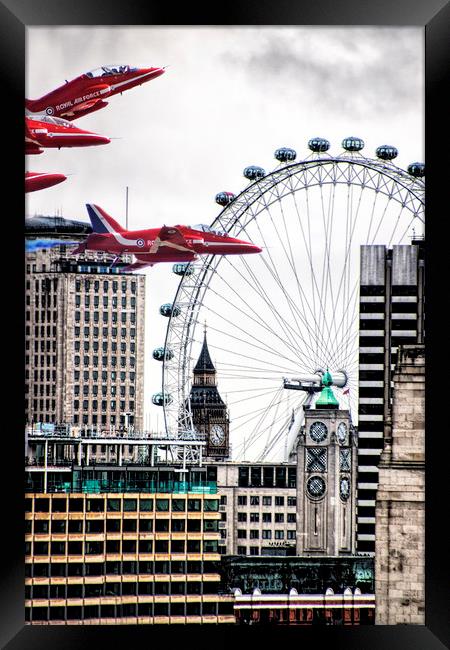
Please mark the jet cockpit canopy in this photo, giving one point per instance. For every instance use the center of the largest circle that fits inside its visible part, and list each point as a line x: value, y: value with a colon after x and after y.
x: 204, y: 228
x: 107, y: 70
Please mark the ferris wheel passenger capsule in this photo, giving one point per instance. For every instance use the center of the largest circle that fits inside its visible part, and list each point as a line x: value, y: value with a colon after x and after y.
x: 183, y: 268
x: 352, y: 144
x: 285, y: 154
x: 386, y: 152
x: 161, y: 399
x: 254, y: 173
x: 416, y: 169
x: 224, y: 198
x: 162, y: 354
x: 169, y: 309
x: 318, y: 145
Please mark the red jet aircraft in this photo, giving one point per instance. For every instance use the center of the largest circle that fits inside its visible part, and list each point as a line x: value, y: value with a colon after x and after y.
x: 164, y: 244
x: 40, y: 180
x: 86, y: 93
x: 44, y: 131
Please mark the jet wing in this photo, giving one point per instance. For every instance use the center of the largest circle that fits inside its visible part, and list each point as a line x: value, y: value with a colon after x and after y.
x: 83, y: 109
x: 171, y: 237
x: 31, y: 144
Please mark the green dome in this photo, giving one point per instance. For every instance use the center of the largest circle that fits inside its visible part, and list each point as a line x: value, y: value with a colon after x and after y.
x: 326, y: 398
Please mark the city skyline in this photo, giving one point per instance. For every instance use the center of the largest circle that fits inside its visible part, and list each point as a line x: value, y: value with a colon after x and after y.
x: 288, y: 83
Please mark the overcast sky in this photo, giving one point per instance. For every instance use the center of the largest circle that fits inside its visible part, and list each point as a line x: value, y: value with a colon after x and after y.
x: 228, y: 99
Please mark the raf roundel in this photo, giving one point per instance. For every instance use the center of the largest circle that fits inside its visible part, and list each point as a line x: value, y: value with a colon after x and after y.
x: 49, y: 110
x: 140, y: 243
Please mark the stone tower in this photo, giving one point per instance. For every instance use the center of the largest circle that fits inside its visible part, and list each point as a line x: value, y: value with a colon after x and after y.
x: 209, y: 411
x: 400, y: 506
x: 326, y: 479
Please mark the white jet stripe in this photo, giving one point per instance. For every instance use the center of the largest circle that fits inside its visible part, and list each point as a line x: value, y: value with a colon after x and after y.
x: 122, y: 83
x: 117, y: 236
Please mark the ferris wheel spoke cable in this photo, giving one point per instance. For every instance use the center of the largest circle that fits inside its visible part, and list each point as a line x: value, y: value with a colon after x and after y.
x: 292, y: 304
x: 246, y: 341
x: 258, y: 413
x: 396, y: 225
x: 259, y: 322
x: 327, y: 222
x: 272, y: 268
x: 407, y: 228
x: 300, y: 353
x: 256, y: 436
x: 289, y: 257
x: 245, y: 356
x: 387, y: 205
x: 345, y: 276
x: 372, y: 214
x: 293, y: 265
x: 274, y: 419
x: 293, y: 307
x: 318, y: 330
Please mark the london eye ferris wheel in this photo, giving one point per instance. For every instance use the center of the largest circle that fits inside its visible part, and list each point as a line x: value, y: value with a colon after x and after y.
x: 285, y: 316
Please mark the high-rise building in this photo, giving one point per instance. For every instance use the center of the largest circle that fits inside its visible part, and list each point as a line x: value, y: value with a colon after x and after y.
x: 84, y: 339
x: 392, y: 285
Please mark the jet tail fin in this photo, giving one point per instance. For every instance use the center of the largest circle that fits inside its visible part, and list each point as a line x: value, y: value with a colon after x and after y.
x: 101, y: 222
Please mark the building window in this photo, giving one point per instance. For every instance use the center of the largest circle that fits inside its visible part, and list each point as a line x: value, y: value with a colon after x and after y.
x: 242, y: 500
x: 254, y: 501
x: 279, y: 517
x: 291, y: 518
x: 267, y: 501
x: 279, y: 534
x: 267, y: 534
x: 242, y: 516
x: 254, y: 517
x: 242, y: 533
x: 292, y: 501
x: 279, y: 501
x: 291, y: 534
x: 254, y: 550
x: 242, y: 550
x: 267, y: 517
x: 254, y: 534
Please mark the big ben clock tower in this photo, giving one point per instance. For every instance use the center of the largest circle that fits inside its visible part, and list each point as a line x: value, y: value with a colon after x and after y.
x: 209, y: 411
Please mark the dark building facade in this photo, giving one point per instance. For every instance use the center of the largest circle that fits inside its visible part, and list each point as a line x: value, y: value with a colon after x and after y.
x: 392, y: 308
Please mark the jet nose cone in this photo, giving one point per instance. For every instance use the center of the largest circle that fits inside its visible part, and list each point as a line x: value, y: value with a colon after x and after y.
x: 100, y: 139
x: 152, y: 73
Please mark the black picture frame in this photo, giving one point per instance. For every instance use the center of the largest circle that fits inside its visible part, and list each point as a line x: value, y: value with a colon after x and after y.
x: 433, y: 16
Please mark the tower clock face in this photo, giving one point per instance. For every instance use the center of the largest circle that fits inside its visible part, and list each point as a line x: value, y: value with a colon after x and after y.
x: 318, y: 431
x: 341, y: 432
x: 344, y: 488
x: 315, y: 487
x: 217, y: 435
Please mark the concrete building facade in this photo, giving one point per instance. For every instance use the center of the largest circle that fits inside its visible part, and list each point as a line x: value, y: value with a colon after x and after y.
x: 400, y: 510
x: 84, y: 340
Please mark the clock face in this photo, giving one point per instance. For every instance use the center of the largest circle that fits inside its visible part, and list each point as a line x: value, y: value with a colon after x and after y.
x: 217, y: 435
x: 318, y: 431
x: 341, y: 432
x: 344, y: 488
x: 315, y: 486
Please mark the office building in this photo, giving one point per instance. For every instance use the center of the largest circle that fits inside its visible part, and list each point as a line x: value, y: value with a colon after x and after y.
x: 392, y: 289
x: 84, y: 339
